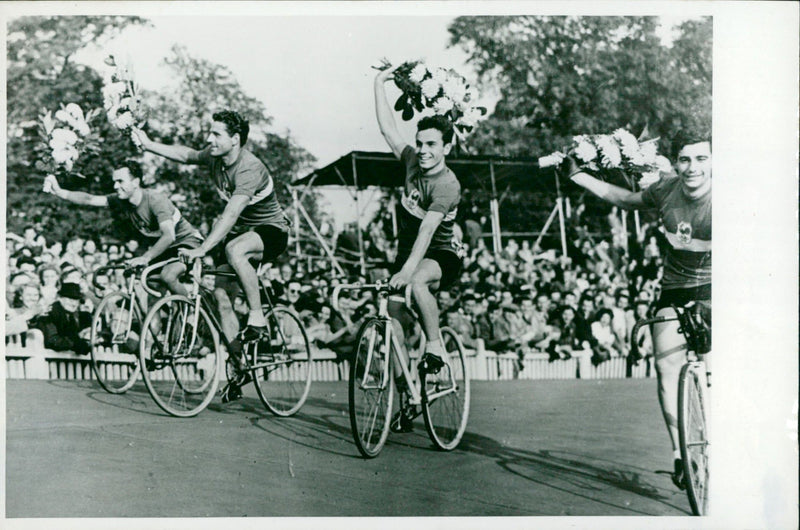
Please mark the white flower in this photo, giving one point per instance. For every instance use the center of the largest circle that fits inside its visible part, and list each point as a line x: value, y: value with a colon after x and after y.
x: 584, y: 150
x: 455, y: 88
x: 470, y: 117
x: 418, y: 73
x: 440, y: 75
x: 124, y: 120
x: 64, y: 136
x: 628, y: 145
x: 609, y: 152
x: 649, y: 152
x: 125, y: 103
x: 553, y: 159
x: 442, y: 105
x: 75, y: 111
x: 66, y: 155
x: 430, y: 88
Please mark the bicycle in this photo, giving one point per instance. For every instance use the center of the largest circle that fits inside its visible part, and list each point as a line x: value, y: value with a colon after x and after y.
x: 182, y: 360
x: 116, y: 328
x: 444, y: 398
x: 693, y: 384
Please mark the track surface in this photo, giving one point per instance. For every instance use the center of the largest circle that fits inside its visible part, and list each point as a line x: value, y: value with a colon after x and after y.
x: 531, y: 448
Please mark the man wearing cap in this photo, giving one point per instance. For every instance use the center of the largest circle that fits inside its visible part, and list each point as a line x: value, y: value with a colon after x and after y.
x: 63, y: 324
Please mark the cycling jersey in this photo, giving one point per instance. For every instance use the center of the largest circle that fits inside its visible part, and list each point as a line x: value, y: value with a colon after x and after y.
x: 154, y: 209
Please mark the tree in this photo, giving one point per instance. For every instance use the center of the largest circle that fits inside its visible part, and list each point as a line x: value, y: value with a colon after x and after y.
x: 41, y: 74
x: 183, y: 116
x: 562, y: 76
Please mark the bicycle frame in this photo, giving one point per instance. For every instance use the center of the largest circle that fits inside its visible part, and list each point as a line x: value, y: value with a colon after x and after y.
x: 390, y: 339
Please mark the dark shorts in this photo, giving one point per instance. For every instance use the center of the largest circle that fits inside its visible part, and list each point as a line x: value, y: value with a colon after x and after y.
x: 681, y: 297
x: 273, y: 239
x: 172, y: 252
x: 448, y: 261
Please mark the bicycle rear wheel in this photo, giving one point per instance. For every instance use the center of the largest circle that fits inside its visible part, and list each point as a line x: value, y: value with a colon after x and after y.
x: 281, y: 365
x: 180, y: 356
x: 445, y: 400
x: 114, y: 339
x: 693, y: 436
x: 370, y: 389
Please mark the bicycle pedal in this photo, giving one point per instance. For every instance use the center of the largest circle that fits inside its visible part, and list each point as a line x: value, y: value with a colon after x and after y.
x: 430, y: 363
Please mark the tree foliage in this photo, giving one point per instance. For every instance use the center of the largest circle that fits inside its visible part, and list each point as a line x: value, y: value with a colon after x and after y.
x: 562, y: 76
x: 41, y: 74
x: 183, y: 116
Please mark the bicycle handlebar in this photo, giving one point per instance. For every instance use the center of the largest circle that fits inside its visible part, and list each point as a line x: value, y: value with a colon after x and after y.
x: 110, y: 266
x: 380, y: 286
x: 150, y: 268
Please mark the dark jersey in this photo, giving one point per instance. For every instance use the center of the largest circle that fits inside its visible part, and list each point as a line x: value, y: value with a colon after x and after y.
x: 687, y: 226
x: 440, y: 192
x: 146, y: 217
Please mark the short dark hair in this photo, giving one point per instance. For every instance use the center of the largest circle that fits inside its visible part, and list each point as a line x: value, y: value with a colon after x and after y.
x: 234, y: 123
x: 603, y: 311
x: 440, y: 123
x: 688, y: 136
x: 134, y: 167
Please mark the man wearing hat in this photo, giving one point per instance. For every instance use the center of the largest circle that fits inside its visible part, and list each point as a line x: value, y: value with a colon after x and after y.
x: 63, y: 324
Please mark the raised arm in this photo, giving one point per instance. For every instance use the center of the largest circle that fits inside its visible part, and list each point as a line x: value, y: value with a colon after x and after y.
x: 616, y: 195
x: 383, y: 111
x: 177, y: 153
x: 76, y: 197
x: 230, y: 214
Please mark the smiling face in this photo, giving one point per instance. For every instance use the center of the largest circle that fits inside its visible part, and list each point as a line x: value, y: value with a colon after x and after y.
x: 124, y: 184
x: 693, y: 166
x: 220, y: 141
x: 431, y: 150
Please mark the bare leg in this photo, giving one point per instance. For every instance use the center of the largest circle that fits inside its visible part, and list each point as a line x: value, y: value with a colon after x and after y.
x: 670, y: 356
x: 427, y: 277
x: 239, y: 252
x: 170, y: 274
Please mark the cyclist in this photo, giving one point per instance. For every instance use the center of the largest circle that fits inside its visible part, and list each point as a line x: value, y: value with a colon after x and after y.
x: 150, y: 212
x: 684, y: 205
x: 428, y: 256
x: 252, y: 225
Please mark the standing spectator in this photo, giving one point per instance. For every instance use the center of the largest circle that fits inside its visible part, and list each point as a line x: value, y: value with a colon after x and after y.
x: 65, y: 327
x: 607, y: 343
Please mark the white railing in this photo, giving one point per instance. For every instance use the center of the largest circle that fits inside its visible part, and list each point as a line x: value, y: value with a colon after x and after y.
x: 27, y: 358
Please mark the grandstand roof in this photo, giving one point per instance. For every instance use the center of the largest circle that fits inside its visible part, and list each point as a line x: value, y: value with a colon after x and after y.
x: 364, y: 169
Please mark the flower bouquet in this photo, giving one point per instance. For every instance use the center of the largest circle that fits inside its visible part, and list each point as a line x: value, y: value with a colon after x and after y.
x: 444, y: 91
x: 122, y: 100
x: 608, y: 155
x: 65, y: 137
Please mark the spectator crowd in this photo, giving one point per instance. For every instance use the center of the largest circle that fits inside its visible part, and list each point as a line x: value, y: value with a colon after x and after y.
x: 522, y: 300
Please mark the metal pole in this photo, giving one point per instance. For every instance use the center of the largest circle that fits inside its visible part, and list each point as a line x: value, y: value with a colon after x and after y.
x: 624, y: 215
x: 494, y: 211
x: 560, y: 207
x: 325, y: 247
x: 637, y: 225
x: 393, y: 208
x: 546, y: 226
x: 296, y: 202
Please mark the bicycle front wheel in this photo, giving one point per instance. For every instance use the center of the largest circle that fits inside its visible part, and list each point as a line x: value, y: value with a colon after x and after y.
x: 445, y: 400
x: 281, y: 365
x: 180, y: 356
x: 693, y: 436
x: 114, y: 339
x: 371, y: 388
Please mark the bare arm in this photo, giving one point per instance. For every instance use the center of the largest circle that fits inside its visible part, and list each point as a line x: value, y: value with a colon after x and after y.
x: 383, y: 111
x: 76, y: 197
x: 429, y: 224
x: 167, y: 238
x: 177, y: 153
x: 226, y: 221
x: 614, y: 194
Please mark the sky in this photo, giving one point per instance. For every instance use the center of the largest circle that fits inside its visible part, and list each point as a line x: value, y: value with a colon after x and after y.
x: 312, y: 73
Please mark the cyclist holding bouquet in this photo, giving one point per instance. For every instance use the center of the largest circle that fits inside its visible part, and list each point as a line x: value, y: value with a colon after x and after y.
x: 684, y: 206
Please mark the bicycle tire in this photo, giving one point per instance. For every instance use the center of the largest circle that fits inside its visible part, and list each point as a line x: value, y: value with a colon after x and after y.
x: 283, y: 384
x: 180, y: 367
x: 446, y: 395
x: 116, y: 371
x: 370, y: 401
x: 693, y: 437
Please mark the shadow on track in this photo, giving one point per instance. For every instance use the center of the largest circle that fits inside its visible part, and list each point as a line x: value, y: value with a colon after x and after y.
x: 136, y: 399
x: 581, y: 475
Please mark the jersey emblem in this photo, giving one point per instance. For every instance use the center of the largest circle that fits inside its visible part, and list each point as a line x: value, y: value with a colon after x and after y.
x: 413, y: 199
x: 684, y: 232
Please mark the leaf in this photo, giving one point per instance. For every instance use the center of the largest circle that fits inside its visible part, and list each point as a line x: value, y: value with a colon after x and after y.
x: 408, y: 113
x: 400, y: 103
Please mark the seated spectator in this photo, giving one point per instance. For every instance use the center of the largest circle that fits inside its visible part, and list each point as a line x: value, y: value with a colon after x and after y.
x: 24, y: 310
x: 569, y: 339
x: 65, y: 328
x: 607, y: 343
